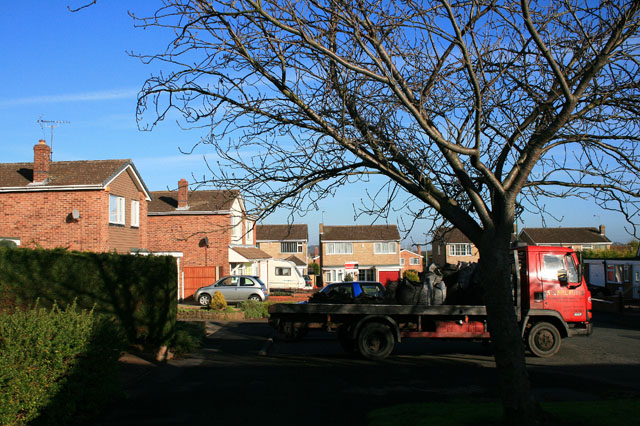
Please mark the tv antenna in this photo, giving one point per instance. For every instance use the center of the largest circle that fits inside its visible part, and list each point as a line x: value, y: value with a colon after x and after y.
x: 51, y: 124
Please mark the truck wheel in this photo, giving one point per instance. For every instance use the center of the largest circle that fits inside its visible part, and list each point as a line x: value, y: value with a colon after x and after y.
x: 544, y: 340
x: 375, y: 341
x: 346, y: 341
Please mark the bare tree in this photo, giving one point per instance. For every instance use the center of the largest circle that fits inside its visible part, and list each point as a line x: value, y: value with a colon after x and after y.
x: 477, y: 109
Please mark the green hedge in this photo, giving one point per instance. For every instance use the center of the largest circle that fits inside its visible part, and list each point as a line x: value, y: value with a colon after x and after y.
x: 57, y: 367
x: 139, y: 291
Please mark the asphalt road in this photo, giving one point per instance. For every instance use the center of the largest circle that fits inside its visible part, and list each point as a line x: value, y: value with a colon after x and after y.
x: 314, y: 383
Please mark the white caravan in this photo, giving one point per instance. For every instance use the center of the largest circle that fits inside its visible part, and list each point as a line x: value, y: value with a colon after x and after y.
x: 281, y: 275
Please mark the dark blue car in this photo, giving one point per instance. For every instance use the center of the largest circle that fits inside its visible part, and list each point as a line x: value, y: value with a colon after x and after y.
x: 355, y: 288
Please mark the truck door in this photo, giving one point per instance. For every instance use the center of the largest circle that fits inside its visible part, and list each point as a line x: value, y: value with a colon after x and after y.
x: 562, y: 290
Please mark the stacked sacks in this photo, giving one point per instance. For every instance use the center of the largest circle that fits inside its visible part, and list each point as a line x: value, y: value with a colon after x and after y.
x: 429, y: 290
x: 464, y: 286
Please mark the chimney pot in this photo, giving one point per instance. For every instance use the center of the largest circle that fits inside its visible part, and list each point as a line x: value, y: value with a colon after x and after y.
x: 41, y: 161
x: 183, y: 193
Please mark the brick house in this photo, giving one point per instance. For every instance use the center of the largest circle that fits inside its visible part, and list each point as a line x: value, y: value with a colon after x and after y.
x: 367, y: 253
x: 287, y: 242
x: 451, y: 246
x: 577, y: 238
x: 81, y: 205
x: 410, y: 260
x: 210, y: 229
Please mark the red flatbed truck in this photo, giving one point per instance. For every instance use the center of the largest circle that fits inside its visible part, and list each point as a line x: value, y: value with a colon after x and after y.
x: 551, y: 301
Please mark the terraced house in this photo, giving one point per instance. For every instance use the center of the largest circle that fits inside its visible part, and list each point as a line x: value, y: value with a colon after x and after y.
x: 364, y: 253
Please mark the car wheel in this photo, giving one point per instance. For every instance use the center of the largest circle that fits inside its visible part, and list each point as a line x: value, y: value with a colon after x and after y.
x: 544, y: 340
x: 255, y: 297
x: 375, y: 341
x: 204, y: 299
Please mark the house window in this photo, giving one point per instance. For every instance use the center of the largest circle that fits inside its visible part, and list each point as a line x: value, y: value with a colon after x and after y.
x: 236, y: 229
x: 587, y: 246
x: 339, y: 248
x: 291, y: 247
x: 459, y: 249
x: 414, y: 261
x: 366, y: 275
x: 116, y: 210
x: 135, y: 213
x: 402, y: 261
x: 249, y: 226
x: 384, y: 248
x: 283, y: 272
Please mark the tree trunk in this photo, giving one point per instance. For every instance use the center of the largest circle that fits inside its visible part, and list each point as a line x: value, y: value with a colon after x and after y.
x: 520, y: 408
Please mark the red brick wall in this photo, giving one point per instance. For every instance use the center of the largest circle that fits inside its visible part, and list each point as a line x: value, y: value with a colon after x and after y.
x: 407, y: 263
x: 183, y: 233
x: 43, y: 218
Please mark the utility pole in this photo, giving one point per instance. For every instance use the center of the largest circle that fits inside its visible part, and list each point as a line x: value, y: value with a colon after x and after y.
x: 51, y: 124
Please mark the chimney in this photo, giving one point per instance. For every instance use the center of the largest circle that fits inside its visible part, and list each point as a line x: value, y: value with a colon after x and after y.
x: 420, y: 253
x: 183, y: 193
x: 602, y: 230
x: 41, y: 161
x: 317, y: 251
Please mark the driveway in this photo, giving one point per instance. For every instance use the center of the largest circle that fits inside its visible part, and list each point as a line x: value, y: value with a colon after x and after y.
x: 313, y: 382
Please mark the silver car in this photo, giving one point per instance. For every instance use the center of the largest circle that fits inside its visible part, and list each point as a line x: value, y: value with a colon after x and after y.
x: 235, y: 288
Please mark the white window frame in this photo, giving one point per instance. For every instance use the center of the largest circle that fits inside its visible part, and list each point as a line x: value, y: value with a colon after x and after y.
x: 402, y: 261
x: 366, y: 275
x: 459, y: 249
x: 414, y: 261
x: 116, y: 210
x: 284, y: 249
x: 135, y: 213
x: 249, y: 236
x: 339, y: 248
x: 236, y: 228
x: 384, y: 248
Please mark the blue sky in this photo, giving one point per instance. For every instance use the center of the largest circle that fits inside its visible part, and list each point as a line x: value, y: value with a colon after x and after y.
x: 74, y: 67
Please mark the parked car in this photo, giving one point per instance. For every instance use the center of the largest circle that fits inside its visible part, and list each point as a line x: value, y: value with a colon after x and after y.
x: 235, y: 288
x: 355, y: 288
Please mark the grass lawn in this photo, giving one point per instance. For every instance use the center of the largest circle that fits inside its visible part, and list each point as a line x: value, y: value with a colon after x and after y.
x: 619, y: 412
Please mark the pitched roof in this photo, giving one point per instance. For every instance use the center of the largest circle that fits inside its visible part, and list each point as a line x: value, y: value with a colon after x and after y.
x: 563, y: 236
x: 251, y: 253
x: 360, y: 233
x: 63, y: 173
x: 198, y: 201
x: 411, y: 252
x: 296, y: 260
x: 282, y: 233
x: 450, y: 235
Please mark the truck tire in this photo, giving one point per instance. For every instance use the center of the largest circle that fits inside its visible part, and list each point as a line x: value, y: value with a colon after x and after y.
x: 293, y: 332
x: 375, y: 341
x: 544, y: 340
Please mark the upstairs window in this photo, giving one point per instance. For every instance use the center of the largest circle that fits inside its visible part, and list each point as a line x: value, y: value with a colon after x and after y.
x: 459, y: 249
x: 135, y: 213
x: 384, y: 248
x: 116, y: 210
x: 291, y: 247
x: 414, y: 261
x: 339, y: 248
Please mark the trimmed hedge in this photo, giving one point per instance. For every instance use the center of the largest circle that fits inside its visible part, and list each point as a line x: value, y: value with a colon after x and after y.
x: 139, y: 291
x: 57, y: 367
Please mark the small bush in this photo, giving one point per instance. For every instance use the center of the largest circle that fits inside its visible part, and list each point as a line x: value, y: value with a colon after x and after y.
x: 218, y: 302
x: 411, y: 275
x: 57, y: 366
x: 254, y: 309
x: 188, y: 337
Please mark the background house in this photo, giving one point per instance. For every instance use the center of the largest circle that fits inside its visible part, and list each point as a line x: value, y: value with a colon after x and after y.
x: 577, y: 238
x: 410, y: 260
x: 209, y: 228
x: 367, y: 253
x: 451, y: 246
x: 81, y: 205
x: 287, y: 242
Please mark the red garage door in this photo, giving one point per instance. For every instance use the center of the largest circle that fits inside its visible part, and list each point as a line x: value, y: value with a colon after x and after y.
x: 385, y: 277
x: 196, y: 277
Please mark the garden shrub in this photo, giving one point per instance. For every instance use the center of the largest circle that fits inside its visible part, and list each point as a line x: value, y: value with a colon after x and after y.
x: 57, y: 366
x: 254, y: 309
x: 218, y: 302
x: 411, y: 275
x: 139, y: 291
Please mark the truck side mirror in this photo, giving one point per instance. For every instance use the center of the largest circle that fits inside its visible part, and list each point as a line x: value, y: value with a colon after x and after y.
x: 562, y: 276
